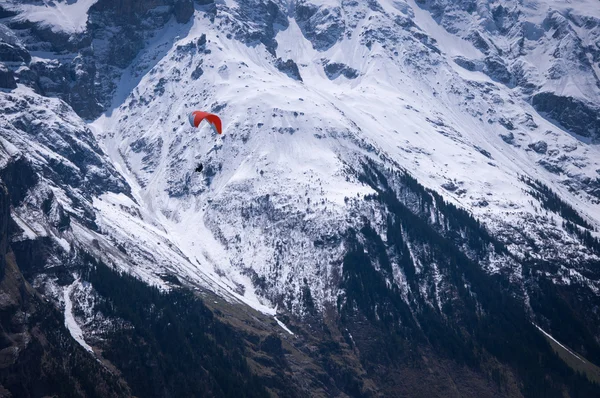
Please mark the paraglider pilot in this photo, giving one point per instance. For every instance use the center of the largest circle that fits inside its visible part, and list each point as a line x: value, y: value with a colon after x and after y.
x: 196, y: 117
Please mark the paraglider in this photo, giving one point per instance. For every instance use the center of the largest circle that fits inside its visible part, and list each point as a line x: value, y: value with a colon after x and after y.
x: 197, y: 117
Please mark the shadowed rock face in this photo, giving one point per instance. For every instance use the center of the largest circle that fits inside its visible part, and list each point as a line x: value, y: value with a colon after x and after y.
x: 7, y: 78
x: 540, y: 147
x: 4, y: 223
x: 258, y: 21
x: 333, y: 70
x: 288, y: 67
x: 13, y: 53
x: 572, y: 114
x: 183, y: 10
x: 20, y: 176
x: 496, y: 69
x: 322, y: 26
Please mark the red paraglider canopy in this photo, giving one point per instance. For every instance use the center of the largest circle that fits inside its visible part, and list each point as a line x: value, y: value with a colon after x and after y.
x: 196, y: 117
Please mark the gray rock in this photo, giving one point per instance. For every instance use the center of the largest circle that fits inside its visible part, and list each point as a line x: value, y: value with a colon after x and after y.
x: 479, y: 42
x: 322, y: 26
x: 5, y: 13
x: 20, y: 177
x: 508, y: 138
x: 201, y: 43
x: 550, y: 166
x: 485, y: 153
x: 333, y: 70
x: 13, y: 53
x: 496, y: 69
x: 465, y: 63
x: 198, y: 71
x: 573, y: 114
x: 450, y: 186
x: 289, y: 67
x: 540, y: 147
x: 7, y: 78
x: 507, y: 124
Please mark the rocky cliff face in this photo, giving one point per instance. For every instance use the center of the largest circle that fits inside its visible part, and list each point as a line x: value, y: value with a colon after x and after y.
x: 111, y: 35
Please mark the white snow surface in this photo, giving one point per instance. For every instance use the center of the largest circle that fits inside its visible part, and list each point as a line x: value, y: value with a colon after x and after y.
x: 283, y: 326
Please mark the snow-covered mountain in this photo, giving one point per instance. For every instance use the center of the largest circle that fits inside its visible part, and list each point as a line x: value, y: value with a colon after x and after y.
x: 401, y: 164
x: 378, y: 81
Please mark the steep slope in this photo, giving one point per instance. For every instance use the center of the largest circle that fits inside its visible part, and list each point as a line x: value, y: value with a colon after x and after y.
x: 407, y: 185
x: 37, y: 356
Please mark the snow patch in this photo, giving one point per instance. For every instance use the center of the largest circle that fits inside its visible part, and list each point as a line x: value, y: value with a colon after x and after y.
x: 70, y: 322
x: 283, y: 326
x: 556, y: 341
